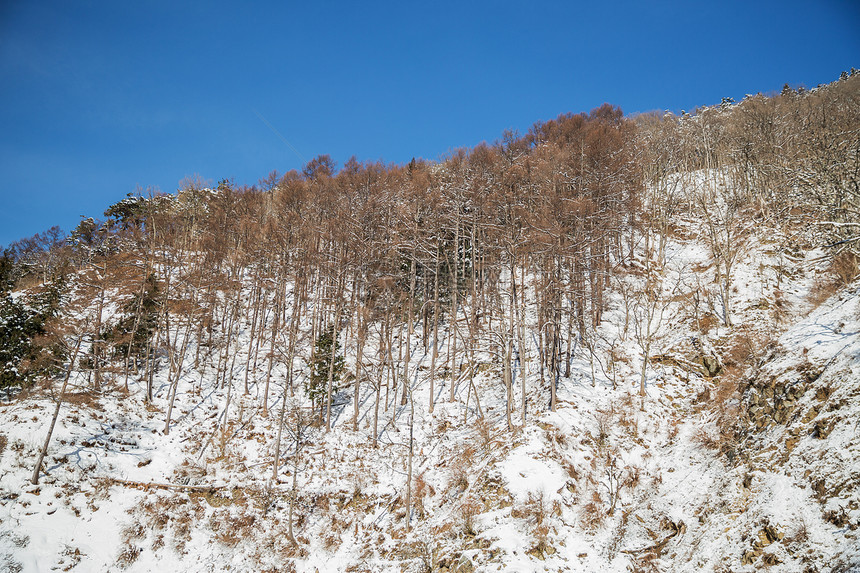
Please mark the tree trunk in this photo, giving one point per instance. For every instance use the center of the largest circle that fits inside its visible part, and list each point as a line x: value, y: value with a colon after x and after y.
x: 435, y: 351
x: 35, y: 478
x: 330, y: 382
x: 97, y: 338
x: 276, y: 325
x: 409, y: 462
x: 452, y: 331
x: 359, y: 359
x: 176, y: 373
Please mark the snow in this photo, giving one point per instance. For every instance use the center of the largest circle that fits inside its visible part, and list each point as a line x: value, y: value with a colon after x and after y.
x: 526, y: 474
x: 536, y: 498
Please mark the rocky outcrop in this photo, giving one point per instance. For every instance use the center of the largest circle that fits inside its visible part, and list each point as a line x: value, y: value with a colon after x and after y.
x: 776, y: 400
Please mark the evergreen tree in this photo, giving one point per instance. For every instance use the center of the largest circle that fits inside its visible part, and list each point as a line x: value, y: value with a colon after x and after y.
x: 24, y: 351
x: 326, y: 345
x: 131, y: 334
x: 7, y: 272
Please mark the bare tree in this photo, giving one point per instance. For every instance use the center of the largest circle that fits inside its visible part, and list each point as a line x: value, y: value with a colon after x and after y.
x: 69, y: 369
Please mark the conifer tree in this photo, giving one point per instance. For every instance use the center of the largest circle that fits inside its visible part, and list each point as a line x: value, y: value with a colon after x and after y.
x: 132, y: 333
x: 327, y: 356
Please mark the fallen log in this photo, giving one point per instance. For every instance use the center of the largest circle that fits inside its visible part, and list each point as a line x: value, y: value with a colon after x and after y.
x: 156, y: 485
x: 677, y: 529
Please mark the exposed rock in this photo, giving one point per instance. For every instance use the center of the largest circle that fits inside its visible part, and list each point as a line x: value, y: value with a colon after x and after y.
x: 770, y: 402
x: 750, y: 556
x: 712, y: 366
x: 810, y: 415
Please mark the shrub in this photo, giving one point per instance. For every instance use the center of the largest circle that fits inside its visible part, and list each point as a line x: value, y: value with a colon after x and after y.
x: 843, y: 270
x: 593, y: 513
x: 469, y: 509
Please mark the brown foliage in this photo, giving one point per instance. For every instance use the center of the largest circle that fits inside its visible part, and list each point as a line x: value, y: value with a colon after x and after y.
x: 844, y: 268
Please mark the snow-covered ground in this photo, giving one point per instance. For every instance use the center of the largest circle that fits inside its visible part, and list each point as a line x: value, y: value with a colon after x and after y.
x: 608, y: 482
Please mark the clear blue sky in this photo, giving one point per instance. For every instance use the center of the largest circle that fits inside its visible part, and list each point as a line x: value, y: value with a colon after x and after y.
x: 98, y: 98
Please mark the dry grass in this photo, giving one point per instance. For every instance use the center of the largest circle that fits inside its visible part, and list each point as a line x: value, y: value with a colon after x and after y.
x: 420, y: 490
x: 674, y: 428
x: 707, y: 322
x: 535, y: 509
x: 707, y: 436
x: 843, y: 270
x: 744, y: 353
x: 645, y: 563
x: 593, y: 514
x: 331, y: 537
x: 800, y: 533
x: 747, y: 349
x: 570, y: 470
x: 461, y: 469
x: 469, y: 509
x: 322, y: 502
x: 781, y: 308
x: 484, y: 434
x: 128, y: 556
x: 629, y: 421
x: 81, y: 399
x: 846, y: 267
x: 231, y: 529
x: 133, y: 532
x: 542, y: 545
x: 442, y: 426
x: 724, y: 402
x: 555, y: 436
x: 603, y: 425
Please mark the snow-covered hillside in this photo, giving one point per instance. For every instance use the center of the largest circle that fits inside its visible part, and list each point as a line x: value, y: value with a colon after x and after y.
x: 744, y: 452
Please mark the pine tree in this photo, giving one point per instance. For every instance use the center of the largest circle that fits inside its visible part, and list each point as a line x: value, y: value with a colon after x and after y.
x: 326, y: 345
x: 132, y: 333
x: 7, y: 272
x: 25, y: 353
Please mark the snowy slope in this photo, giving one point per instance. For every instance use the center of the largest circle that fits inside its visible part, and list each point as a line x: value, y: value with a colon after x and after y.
x: 608, y: 482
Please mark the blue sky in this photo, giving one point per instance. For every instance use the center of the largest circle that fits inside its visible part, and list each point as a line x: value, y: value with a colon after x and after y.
x: 99, y: 98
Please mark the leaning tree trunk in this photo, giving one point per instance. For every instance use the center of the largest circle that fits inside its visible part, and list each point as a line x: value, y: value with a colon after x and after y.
x: 35, y: 479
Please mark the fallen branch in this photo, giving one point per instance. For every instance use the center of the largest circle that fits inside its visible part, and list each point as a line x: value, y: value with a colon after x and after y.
x: 147, y: 485
x: 678, y: 528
